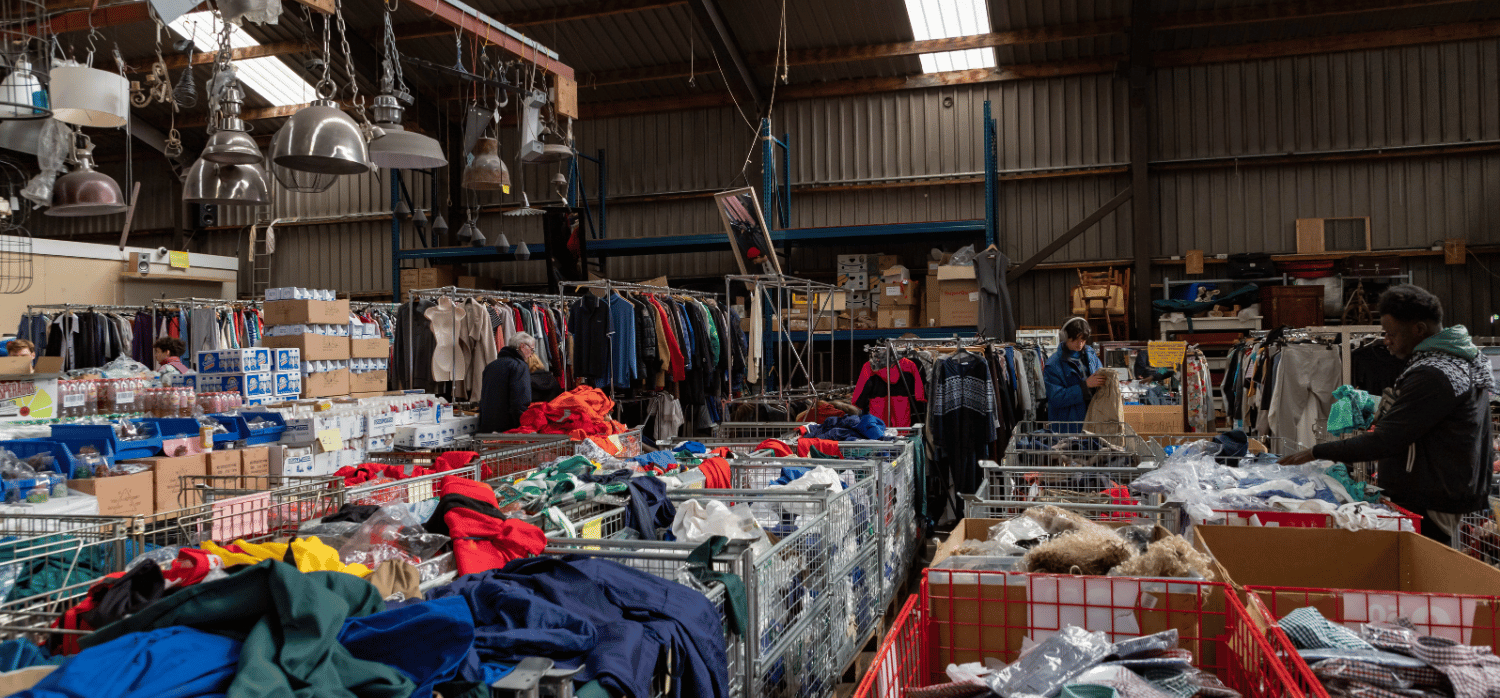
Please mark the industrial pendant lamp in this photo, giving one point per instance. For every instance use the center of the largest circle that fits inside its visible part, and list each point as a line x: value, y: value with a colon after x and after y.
x: 322, y: 139
x: 300, y: 182
x: 229, y: 172
x: 419, y: 218
x: 439, y: 226
x: 486, y: 172
x: 398, y: 148
x: 230, y: 144
x: 85, y: 192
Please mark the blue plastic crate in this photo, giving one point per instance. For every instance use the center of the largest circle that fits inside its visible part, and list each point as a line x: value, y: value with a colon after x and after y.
x: 75, y: 435
x: 265, y: 434
x: 184, y: 427
x: 66, y: 463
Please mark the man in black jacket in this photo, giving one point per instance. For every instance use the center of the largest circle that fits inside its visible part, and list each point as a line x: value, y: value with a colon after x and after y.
x: 1432, y: 430
x: 507, y: 386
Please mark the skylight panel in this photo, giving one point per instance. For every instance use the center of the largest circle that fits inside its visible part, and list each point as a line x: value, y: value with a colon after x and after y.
x: 946, y: 19
x: 269, y: 77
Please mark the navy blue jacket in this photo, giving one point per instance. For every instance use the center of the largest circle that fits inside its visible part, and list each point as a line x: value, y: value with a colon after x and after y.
x: 1067, y: 397
x: 640, y: 618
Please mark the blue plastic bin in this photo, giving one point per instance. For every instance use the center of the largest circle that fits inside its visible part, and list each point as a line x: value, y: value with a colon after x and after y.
x: 25, y: 448
x: 254, y: 437
x: 183, y: 427
x: 76, y: 435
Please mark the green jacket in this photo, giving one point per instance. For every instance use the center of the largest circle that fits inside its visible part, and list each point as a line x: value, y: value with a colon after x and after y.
x: 289, y: 623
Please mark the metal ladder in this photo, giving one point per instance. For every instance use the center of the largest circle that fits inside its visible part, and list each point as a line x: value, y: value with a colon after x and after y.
x: 260, y: 262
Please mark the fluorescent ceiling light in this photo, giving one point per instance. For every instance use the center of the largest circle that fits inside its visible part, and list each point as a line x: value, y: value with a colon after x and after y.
x: 269, y: 77
x: 946, y: 19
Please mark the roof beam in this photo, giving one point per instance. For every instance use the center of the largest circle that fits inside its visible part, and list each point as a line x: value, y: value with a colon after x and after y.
x: 1107, y: 64
x: 1287, y: 11
x: 200, y: 120
x: 721, y: 38
x: 475, y: 23
x: 531, y: 18
x: 144, y: 64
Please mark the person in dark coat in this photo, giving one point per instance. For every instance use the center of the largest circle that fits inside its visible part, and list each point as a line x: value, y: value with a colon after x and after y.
x: 1432, y: 432
x: 507, y: 386
x: 544, y: 385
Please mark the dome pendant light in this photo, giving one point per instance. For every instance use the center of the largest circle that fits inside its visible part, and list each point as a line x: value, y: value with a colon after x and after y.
x: 230, y: 144
x: 226, y: 185
x: 300, y: 182
x: 487, y: 172
x: 439, y: 226
x: 399, y: 148
x: 321, y: 138
x: 85, y: 192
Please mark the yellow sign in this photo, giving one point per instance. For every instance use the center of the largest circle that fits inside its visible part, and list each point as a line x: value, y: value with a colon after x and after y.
x: 331, y: 440
x: 177, y: 260
x: 1166, y: 354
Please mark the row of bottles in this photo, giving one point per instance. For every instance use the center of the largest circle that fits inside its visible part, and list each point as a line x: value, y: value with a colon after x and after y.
x: 111, y: 396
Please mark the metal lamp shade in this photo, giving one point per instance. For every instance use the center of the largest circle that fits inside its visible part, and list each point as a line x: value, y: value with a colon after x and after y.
x: 88, y: 97
x: 227, y: 185
x: 487, y: 172
x: 400, y: 149
x: 321, y: 139
x: 85, y: 192
x: 300, y: 182
x: 232, y: 148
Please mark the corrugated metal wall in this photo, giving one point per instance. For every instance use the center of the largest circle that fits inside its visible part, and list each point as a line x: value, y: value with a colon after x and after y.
x: 924, y: 149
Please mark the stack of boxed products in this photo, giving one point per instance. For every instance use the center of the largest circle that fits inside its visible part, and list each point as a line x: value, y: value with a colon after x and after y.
x: 952, y: 293
x: 898, y: 297
x: 154, y: 485
x: 322, y: 436
x: 339, y: 354
x: 259, y: 374
x: 858, y: 274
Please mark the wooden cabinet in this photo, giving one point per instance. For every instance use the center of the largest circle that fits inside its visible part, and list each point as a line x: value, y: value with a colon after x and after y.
x: 1293, y: 306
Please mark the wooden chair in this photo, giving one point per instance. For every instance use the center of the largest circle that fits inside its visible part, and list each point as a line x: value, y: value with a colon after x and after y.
x: 1106, y: 301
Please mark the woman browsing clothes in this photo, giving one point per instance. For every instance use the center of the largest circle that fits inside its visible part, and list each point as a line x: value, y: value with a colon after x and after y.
x: 1072, y: 374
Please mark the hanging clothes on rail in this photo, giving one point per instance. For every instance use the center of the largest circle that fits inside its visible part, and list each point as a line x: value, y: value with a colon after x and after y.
x: 964, y: 420
x: 894, y: 392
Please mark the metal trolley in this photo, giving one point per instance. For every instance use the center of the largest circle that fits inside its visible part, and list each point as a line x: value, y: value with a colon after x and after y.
x: 54, y: 560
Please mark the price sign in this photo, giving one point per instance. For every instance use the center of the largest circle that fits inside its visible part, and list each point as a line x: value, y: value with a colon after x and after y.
x: 1166, y: 354
x: 177, y: 260
x: 331, y: 440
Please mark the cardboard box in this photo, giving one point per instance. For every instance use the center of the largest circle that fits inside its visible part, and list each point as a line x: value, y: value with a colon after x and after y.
x: 419, y: 436
x: 291, y: 460
x: 307, y: 312
x: 886, y: 261
x: 252, y: 360
x: 326, y: 384
x: 991, y: 619
x: 124, y: 495
x: 255, y: 462
x: 286, y: 359
x: 854, y: 281
x: 370, y: 348
x: 313, y: 347
x: 1155, y: 419
x: 169, y: 473
x: 958, y: 296
x: 428, y: 277
x: 287, y: 384
x: 853, y: 259
x: 900, y: 293
x: 223, y: 464
x: 897, y: 318
x: 367, y: 382
x: 894, y: 274
x: 262, y: 384
x: 1382, y: 561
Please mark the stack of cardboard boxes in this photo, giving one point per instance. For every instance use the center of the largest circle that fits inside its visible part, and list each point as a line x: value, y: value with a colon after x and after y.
x: 952, y: 295
x: 323, y: 436
x: 899, y: 299
x: 431, y: 277
x: 327, y: 341
x: 260, y: 374
x: 856, y: 272
x: 159, y: 489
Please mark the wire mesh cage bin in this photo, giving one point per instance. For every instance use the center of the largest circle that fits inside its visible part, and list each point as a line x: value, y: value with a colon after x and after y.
x: 217, y: 488
x: 670, y: 561
x: 42, y: 554
x: 858, y: 603
x: 503, y: 457
x: 962, y: 617
x: 252, y: 517
x: 1479, y: 534
x: 854, y: 518
x: 1168, y: 515
x: 805, y: 664
x: 412, y: 490
x: 36, y: 618
x: 756, y: 431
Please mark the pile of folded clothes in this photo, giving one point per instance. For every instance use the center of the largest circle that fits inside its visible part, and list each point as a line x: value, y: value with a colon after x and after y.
x: 1390, y: 660
x: 1081, y: 664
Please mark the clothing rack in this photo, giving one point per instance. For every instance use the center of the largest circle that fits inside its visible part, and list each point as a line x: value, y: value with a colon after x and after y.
x: 30, y: 309
x: 779, y: 289
x: 203, y: 303
x: 611, y: 285
x: 478, y: 294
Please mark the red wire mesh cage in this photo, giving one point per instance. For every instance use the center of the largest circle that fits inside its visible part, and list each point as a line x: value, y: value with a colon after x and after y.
x: 966, y: 616
x: 1462, y: 618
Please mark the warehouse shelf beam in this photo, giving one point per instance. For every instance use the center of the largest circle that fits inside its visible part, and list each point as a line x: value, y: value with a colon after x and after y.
x: 872, y: 334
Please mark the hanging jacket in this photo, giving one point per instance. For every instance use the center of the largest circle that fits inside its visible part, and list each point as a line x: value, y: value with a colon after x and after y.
x: 589, y: 324
x: 894, y: 393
